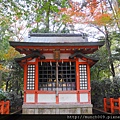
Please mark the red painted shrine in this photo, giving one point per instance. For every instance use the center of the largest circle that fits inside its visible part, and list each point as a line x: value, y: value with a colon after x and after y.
x: 56, y: 73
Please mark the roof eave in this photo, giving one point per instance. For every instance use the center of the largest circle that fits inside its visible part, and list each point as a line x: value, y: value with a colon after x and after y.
x: 14, y: 44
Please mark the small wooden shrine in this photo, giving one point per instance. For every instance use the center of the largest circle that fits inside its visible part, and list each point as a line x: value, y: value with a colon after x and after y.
x: 56, y: 73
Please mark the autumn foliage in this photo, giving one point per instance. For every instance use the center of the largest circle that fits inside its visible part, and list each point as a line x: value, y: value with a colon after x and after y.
x: 102, y: 19
x: 93, y: 11
x: 10, y: 55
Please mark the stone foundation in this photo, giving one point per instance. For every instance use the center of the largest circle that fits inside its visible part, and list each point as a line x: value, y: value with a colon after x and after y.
x: 56, y: 109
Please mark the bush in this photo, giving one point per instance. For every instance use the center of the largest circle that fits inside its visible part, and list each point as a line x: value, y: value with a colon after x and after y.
x: 104, y: 88
x: 16, y: 101
x: 2, y: 96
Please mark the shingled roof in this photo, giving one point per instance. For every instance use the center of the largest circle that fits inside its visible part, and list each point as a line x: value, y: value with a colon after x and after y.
x: 44, y: 42
x: 56, y: 38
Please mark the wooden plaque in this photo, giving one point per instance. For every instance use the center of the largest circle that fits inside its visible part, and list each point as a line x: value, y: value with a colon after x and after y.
x: 57, y: 55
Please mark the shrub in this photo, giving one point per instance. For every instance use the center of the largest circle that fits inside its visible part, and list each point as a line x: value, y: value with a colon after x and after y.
x: 104, y: 88
x: 2, y: 96
x: 16, y: 101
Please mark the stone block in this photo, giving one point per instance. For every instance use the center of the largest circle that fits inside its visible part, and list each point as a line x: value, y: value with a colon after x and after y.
x: 57, y: 111
x: 78, y: 111
x: 24, y: 111
x: 89, y: 110
x: 41, y: 111
x: 72, y: 110
x: 46, y: 111
x: 30, y: 111
x: 84, y: 110
x: 63, y: 111
x: 52, y: 111
x: 36, y: 111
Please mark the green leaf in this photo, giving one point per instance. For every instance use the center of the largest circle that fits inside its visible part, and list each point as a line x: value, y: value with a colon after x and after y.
x: 54, y: 8
x: 38, y: 19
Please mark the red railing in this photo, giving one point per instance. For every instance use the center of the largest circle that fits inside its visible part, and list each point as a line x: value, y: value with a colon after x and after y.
x: 111, y: 104
x: 4, y: 107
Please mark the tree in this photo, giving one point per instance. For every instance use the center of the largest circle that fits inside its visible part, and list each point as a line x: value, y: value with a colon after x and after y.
x: 41, y: 15
x: 9, y: 12
x: 18, y: 17
x: 96, y: 13
x: 101, y: 69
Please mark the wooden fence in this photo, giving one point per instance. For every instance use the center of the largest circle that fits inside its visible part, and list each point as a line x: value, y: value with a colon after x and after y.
x: 112, y: 105
x: 4, y: 107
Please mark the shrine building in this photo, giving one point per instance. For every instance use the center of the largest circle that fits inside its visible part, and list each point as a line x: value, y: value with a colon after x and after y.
x: 56, y: 73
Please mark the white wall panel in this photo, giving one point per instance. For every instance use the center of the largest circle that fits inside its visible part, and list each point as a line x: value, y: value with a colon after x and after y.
x: 46, y: 98
x: 80, y: 60
x: 48, y: 55
x: 65, y: 55
x: 33, y: 60
x: 62, y: 55
x: 30, y: 97
x: 84, y: 97
x: 67, y: 98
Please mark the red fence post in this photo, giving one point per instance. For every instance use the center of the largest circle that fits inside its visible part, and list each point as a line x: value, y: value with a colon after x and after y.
x: 111, y: 105
x: 2, y: 107
x: 8, y: 106
x: 119, y: 104
x: 105, y: 105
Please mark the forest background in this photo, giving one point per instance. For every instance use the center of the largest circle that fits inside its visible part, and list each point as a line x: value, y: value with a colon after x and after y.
x: 96, y: 19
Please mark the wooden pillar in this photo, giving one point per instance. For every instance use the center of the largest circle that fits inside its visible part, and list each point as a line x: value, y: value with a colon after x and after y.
x: 88, y: 74
x: 56, y: 78
x: 25, y: 81
x: 36, y: 80
x: 57, y: 95
x: 77, y: 81
x: 89, y: 87
x: 57, y: 99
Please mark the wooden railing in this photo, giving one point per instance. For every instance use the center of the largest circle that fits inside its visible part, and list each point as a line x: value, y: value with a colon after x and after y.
x: 111, y: 104
x: 4, y: 107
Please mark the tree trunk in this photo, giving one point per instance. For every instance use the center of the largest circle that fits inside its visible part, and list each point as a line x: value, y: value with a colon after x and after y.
x: 6, y: 86
x: 47, y: 17
x: 107, y: 42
